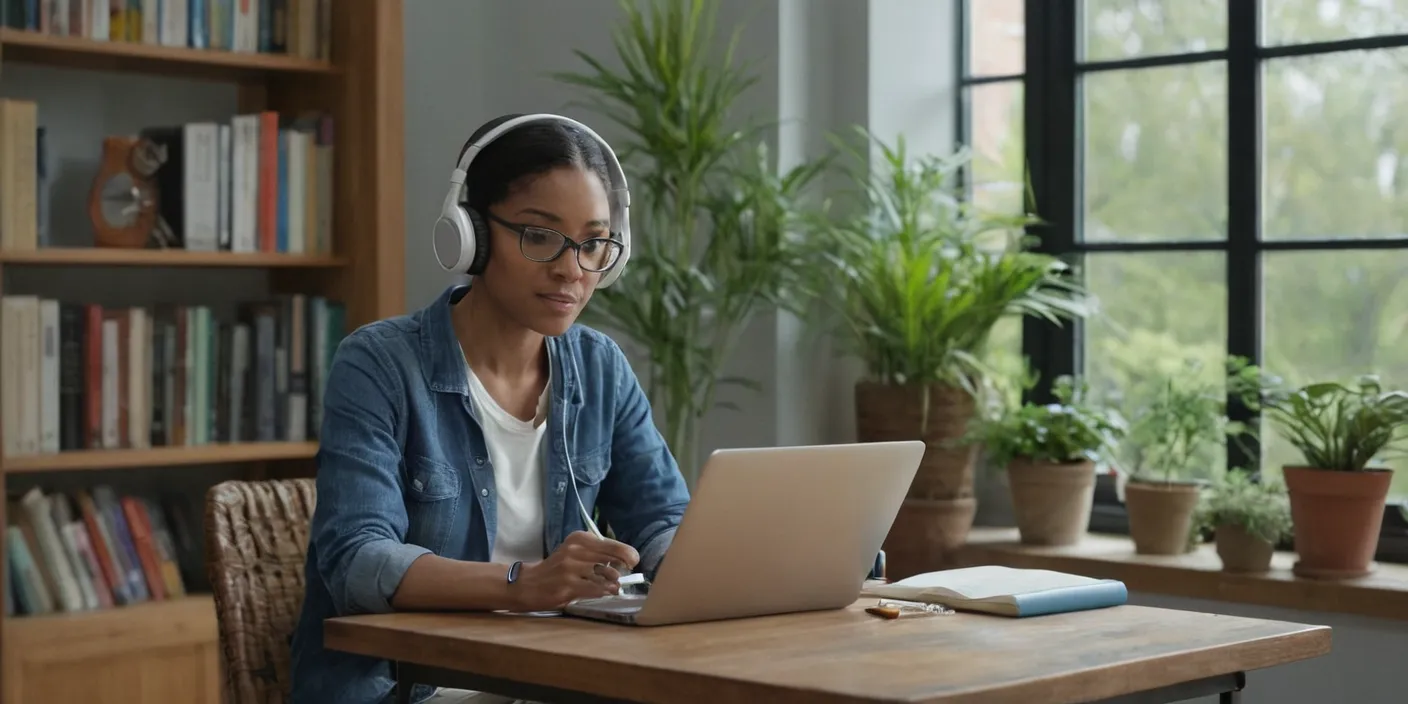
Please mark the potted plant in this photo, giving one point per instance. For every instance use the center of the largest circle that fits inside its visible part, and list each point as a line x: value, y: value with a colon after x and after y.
x: 1172, y: 445
x: 1051, y: 452
x: 1249, y: 518
x: 710, y: 211
x: 1337, y: 496
x: 913, y: 283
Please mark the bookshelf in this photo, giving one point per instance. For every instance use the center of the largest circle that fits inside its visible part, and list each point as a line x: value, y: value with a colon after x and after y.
x: 167, y: 650
x: 96, y: 256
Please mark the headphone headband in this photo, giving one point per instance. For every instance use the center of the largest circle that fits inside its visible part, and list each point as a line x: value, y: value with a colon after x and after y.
x: 460, y: 237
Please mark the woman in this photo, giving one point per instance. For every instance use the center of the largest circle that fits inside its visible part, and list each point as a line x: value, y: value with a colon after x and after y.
x: 463, y: 445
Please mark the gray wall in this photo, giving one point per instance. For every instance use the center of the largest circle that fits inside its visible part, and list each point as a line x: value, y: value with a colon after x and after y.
x: 827, y: 64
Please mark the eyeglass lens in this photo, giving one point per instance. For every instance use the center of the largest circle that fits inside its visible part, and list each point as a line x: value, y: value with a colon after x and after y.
x: 543, y: 245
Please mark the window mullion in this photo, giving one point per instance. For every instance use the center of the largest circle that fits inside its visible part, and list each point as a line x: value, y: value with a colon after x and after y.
x: 1051, y: 136
x: 1243, y: 210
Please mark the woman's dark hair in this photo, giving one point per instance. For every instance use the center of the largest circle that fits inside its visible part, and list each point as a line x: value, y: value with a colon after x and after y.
x: 527, y: 151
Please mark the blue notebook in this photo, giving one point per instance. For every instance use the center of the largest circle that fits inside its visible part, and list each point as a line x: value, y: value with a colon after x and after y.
x: 1005, y: 591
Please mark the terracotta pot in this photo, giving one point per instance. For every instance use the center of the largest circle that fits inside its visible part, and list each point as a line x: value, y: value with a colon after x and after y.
x: 1051, y: 502
x: 924, y: 532
x: 887, y: 412
x: 1160, y: 516
x: 1241, y: 551
x: 1337, y: 518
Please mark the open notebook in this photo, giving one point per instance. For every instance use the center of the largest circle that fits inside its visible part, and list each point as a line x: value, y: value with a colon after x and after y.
x: 1004, y: 591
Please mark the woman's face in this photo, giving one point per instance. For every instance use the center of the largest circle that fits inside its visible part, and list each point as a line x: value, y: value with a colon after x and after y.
x: 545, y: 297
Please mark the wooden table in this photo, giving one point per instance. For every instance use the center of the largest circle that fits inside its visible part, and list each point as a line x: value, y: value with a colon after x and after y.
x: 1124, y: 654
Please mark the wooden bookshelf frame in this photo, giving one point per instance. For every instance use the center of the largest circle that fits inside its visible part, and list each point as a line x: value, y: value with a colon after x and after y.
x: 73, y: 52
x: 97, y: 256
x: 176, y: 641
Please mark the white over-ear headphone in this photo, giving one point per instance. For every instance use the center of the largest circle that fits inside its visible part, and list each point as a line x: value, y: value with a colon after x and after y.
x: 461, y: 235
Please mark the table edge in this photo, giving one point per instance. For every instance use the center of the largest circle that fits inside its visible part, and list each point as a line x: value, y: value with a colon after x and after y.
x: 1256, y: 653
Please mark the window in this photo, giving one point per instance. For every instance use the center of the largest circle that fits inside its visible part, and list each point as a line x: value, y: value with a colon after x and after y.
x: 1231, y: 177
x: 990, y: 121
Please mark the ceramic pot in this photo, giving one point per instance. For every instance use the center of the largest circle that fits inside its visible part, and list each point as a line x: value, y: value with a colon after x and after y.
x: 924, y: 533
x: 1051, y: 502
x: 1241, y: 551
x: 1161, y: 515
x: 889, y: 412
x: 940, y: 505
x: 1337, y: 518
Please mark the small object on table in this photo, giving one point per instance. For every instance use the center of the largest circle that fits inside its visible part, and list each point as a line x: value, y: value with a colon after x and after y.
x: 892, y: 609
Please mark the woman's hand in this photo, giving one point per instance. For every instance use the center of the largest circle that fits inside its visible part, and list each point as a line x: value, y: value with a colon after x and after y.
x: 583, y: 567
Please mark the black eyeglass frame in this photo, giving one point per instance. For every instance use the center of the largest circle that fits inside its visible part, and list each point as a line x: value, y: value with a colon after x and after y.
x: 567, y: 242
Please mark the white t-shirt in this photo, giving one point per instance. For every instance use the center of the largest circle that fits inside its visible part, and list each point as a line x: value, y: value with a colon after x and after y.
x: 516, y: 450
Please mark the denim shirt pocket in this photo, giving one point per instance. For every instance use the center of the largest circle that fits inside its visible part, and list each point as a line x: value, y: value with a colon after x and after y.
x: 589, y: 469
x: 432, y: 498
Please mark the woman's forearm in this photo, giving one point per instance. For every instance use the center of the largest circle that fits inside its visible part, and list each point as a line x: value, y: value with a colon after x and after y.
x: 437, y: 583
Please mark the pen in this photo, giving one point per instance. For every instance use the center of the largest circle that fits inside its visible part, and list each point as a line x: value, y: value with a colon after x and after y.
x: 625, y: 580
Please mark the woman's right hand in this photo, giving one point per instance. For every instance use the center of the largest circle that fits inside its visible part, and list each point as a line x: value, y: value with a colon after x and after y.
x: 583, y: 567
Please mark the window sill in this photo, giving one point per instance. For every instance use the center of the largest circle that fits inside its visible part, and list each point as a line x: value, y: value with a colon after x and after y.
x: 1198, y: 574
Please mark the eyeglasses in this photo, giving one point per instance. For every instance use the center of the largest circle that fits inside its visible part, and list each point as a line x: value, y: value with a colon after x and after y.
x: 541, y: 244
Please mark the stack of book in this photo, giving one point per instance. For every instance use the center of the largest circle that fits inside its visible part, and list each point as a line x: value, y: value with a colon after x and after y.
x: 295, y: 27
x: 88, y: 376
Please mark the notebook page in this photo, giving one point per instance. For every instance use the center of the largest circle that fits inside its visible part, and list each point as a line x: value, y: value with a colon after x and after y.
x: 989, y: 581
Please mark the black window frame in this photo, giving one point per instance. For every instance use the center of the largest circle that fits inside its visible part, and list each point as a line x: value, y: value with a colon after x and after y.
x: 1052, y: 147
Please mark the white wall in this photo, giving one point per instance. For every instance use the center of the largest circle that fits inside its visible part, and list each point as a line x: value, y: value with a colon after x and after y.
x: 828, y: 64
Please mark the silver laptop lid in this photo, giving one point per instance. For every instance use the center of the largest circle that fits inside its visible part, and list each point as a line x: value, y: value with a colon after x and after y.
x: 783, y: 529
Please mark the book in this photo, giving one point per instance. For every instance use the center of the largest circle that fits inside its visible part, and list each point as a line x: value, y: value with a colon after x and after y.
x: 1004, y: 591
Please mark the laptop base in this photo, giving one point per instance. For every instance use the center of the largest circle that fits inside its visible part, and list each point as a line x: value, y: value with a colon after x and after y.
x: 615, y: 609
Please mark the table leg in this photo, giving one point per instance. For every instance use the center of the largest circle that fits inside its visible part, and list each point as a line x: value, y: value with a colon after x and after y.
x: 1234, y: 695
x: 404, y: 685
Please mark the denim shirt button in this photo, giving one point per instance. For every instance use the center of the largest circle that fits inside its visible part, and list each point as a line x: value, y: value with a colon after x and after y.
x: 479, y: 460
x: 483, y: 492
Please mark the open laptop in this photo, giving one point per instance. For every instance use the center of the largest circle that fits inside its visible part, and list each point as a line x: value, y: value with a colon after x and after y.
x: 771, y: 531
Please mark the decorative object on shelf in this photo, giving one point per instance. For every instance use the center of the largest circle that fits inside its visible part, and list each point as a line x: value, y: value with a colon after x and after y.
x: 1338, y: 496
x: 1249, y: 518
x: 1172, y: 448
x: 1051, y: 452
x: 124, y: 199
x: 711, y: 213
x: 914, y: 282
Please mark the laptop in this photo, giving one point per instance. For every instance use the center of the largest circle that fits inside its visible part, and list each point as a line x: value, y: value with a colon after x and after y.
x: 772, y: 531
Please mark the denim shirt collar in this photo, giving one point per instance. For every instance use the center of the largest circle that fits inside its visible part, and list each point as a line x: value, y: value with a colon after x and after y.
x: 445, y: 370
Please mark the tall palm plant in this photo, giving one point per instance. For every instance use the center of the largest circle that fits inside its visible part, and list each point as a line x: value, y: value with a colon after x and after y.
x: 710, y: 215
x: 920, y: 277
x: 914, y: 283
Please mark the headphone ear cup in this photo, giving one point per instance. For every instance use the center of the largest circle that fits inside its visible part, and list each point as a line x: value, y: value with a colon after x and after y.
x: 480, y: 233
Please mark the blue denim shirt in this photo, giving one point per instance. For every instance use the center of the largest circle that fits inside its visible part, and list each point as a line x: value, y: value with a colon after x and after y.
x: 403, y: 472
